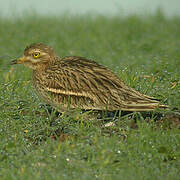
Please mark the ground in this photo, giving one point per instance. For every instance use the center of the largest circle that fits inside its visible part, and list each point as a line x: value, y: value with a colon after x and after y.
x: 37, y: 144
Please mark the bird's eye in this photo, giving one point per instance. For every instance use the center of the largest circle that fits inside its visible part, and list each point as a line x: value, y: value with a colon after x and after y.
x: 36, y: 55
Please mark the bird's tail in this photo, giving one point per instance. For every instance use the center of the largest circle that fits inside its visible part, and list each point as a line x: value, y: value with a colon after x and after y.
x: 143, y: 107
x: 141, y: 102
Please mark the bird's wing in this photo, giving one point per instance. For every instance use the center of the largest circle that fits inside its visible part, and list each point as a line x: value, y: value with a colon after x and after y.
x: 94, y: 86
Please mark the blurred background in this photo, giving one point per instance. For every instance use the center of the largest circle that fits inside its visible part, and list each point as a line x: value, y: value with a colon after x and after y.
x: 14, y: 8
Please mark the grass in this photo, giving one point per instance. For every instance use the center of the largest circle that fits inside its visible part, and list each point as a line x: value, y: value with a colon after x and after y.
x: 34, y: 144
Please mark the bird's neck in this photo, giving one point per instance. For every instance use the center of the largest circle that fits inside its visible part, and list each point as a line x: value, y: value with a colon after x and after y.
x: 43, y: 66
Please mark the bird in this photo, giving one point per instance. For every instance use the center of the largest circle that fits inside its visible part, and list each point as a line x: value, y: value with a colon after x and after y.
x: 76, y: 82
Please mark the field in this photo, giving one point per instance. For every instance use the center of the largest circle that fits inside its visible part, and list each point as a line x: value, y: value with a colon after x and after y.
x: 37, y: 144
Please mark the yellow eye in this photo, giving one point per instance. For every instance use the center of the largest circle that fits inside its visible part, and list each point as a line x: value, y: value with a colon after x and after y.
x: 36, y: 55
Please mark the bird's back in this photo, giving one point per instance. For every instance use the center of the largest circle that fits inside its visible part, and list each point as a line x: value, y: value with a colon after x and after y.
x: 78, y: 82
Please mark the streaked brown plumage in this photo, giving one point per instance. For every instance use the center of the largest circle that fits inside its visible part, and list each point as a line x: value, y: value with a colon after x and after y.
x: 78, y: 82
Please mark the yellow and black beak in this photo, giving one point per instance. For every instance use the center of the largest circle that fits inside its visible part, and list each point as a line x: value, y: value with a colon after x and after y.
x: 18, y: 61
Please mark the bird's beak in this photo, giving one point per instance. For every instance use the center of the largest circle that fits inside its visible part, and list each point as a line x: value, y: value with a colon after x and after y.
x: 18, y: 61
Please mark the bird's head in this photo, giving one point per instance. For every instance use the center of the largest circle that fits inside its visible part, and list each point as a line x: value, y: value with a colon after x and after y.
x: 36, y: 56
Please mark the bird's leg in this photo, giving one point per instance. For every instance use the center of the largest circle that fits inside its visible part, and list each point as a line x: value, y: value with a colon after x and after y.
x: 90, y: 115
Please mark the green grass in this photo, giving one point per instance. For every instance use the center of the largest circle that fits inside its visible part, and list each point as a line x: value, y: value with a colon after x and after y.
x: 143, y: 51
